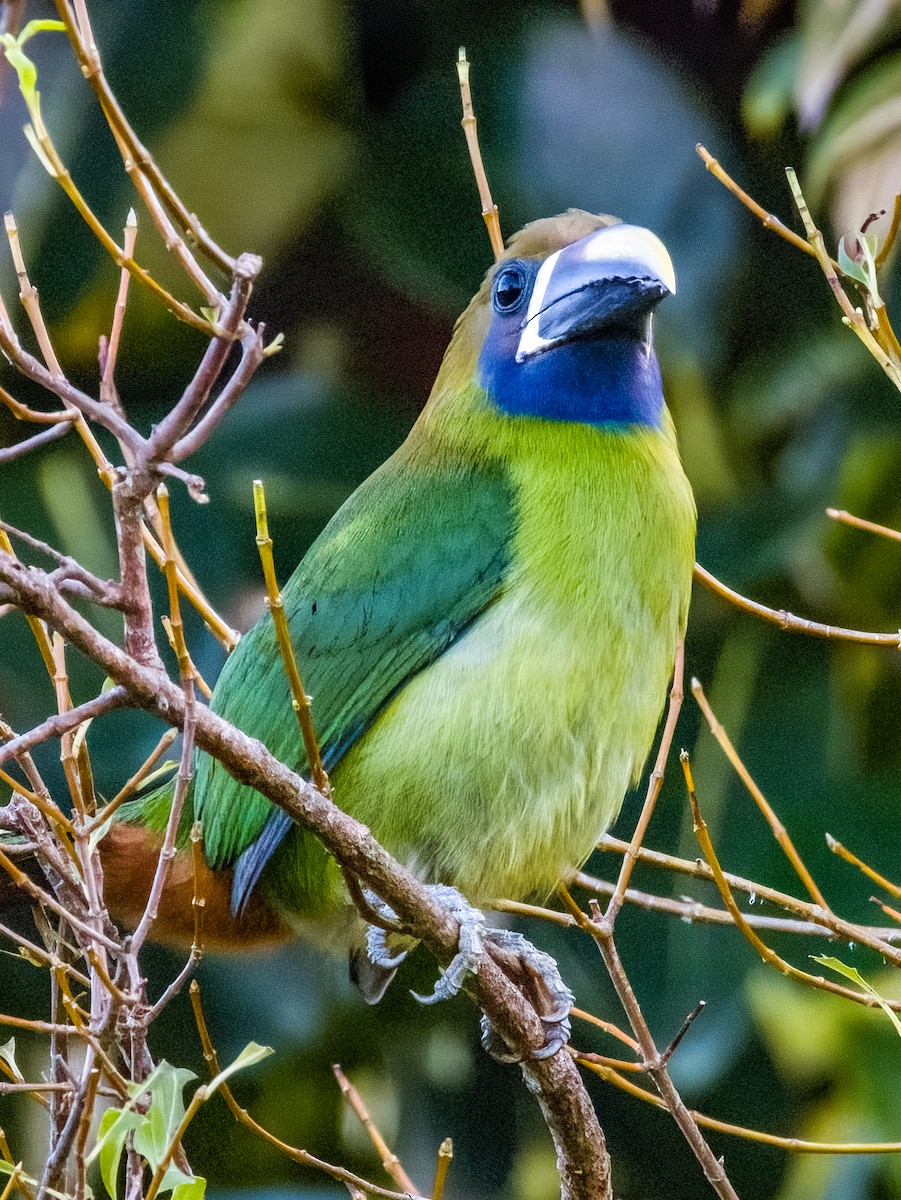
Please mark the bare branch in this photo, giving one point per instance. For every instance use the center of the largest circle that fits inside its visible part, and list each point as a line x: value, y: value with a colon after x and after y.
x: 789, y: 622
x: 62, y: 723
x: 252, y: 354
x: 601, y: 930
x: 567, y: 1109
x: 179, y: 420
x: 470, y: 129
x: 35, y: 442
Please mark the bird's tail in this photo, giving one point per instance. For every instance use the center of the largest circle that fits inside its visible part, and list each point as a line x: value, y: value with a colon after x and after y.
x: 195, y: 898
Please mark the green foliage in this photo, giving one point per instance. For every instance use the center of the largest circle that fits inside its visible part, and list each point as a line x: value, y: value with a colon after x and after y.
x: 8, y: 1055
x: 156, y: 1127
x: 23, y: 66
x: 840, y: 968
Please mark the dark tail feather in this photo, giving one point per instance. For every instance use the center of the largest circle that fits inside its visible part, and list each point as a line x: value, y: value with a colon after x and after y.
x: 249, y: 866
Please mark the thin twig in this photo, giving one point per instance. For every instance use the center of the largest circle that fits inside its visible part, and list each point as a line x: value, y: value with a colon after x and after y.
x: 20, y: 879
x: 767, y: 219
x: 888, y: 242
x: 846, y: 518
x: 35, y: 442
x: 252, y: 354
x: 868, y: 935
x: 133, y: 151
x: 789, y: 622
x: 389, y: 1159
x: 853, y: 317
x: 300, y: 701
x: 134, y: 783
x: 695, y: 913
x: 770, y: 957
x: 61, y: 723
x: 68, y: 565
x: 608, y: 1027
x: 243, y: 1117
x: 837, y: 848
x: 181, y: 417
x: 779, y: 831
x: 31, y: 950
x: 445, y: 1157
x: 686, y: 1025
x: 23, y: 413
x: 601, y: 931
x: 793, y: 1145
x: 198, y: 905
x: 107, y: 385
x: 655, y: 783
x: 470, y: 129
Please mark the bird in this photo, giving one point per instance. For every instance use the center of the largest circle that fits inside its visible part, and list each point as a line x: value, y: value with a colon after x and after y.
x: 486, y: 627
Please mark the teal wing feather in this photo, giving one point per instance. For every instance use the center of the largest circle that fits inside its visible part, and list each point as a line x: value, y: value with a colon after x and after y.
x: 410, y: 560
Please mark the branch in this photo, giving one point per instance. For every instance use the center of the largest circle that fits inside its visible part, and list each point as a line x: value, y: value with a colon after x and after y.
x: 135, y: 155
x: 789, y: 622
x: 601, y: 931
x: 62, y: 723
x: 179, y: 420
x: 56, y: 431
x: 555, y: 1081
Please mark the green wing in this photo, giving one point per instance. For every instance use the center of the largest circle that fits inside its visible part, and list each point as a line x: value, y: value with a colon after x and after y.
x: 409, y: 562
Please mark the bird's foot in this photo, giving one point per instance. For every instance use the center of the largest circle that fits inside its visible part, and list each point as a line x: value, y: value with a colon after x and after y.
x: 373, y: 969
x: 537, y: 975
x: 384, y: 948
x: 473, y: 932
x: 533, y: 971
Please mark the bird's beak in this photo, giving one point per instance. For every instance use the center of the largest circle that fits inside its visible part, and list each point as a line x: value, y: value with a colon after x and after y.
x: 612, y: 278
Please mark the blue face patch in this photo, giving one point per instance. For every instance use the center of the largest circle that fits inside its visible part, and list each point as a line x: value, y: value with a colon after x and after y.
x: 609, y: 377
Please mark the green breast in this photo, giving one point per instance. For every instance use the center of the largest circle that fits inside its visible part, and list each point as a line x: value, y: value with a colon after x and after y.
x: 498, y: 766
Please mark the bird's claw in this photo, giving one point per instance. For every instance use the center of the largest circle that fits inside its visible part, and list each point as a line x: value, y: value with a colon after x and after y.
x: 534, y: 971
x: 377, y: 939
x: 465, y: 962
x: 539, y: 977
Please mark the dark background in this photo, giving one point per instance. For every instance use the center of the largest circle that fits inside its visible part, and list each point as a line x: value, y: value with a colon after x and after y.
x: 325, y: 135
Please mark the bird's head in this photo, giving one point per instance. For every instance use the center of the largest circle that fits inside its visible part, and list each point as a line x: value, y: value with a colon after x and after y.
x: 561, y: 328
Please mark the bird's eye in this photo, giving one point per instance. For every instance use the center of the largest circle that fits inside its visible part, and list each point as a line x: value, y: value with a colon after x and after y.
x: 509, y: 287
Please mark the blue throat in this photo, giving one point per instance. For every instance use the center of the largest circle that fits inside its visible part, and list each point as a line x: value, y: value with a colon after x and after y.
x: 610, y: 381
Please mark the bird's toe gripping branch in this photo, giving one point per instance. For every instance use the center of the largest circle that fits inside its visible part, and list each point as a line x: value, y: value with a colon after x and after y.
x: 538, y: 976
x: 473, y: 932
x: 533, y: 971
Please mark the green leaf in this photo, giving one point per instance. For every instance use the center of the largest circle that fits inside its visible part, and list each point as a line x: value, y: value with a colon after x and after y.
x: 115, y: 1126
x: 249, y: 1056
x: 175, y: 1178
x: 864, y: 272
x: 8, y: 1054
x: 39, y: 26
x: 194, y: 1189
x: 24, y: 68
x: 165, y: 1114
x: 850, y: 266
x: 835, y: 964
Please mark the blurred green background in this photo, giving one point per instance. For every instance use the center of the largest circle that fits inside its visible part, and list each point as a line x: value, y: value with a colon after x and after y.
x: 324, y: 134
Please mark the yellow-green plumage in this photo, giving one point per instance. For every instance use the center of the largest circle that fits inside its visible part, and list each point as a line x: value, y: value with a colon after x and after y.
x: 486, y: 628
x: 515, y: 748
